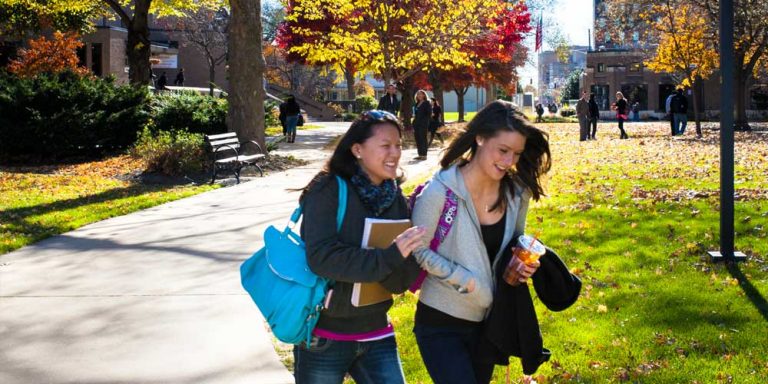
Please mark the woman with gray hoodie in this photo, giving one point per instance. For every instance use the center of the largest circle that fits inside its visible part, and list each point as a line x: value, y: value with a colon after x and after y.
x: 493, y: 169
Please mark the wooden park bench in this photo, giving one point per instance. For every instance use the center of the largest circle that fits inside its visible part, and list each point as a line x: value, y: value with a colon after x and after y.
x: 230, y: 155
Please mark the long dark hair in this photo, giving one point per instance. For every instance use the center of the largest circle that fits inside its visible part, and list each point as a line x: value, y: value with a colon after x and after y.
x: 500, y: 116
x: 343, y: 162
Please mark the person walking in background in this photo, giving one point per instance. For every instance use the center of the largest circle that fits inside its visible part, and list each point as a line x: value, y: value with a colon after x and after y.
x: 292, y: 112
x: 493, y: 168
x: 636, y: 111
x: 162, y: 82
x: 351, y: 339
x: 539, y: 113
x: 582, y: 113
x: 670, y: 115
x: 436, y: 123
x: 179, y: 78
x: 620, y: 106
x: 421, y: 118
x: 389, y: 101
x: 594, y: 115
x: 680, y: 111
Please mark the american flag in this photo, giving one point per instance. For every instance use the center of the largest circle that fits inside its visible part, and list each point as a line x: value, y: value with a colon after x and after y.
x: 538, y: 35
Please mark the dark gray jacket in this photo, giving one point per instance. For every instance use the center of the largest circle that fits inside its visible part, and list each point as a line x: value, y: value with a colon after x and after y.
x: 339, y: 256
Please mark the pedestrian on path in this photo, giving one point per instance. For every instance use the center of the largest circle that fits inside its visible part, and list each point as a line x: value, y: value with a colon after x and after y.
x: 668, y: 109
x: 421, y: 117
x: 594, y: 115
x: 291, y: 110
x: 359, y: 341
x: 620, y: 106
x: 483, y: 168
x: 436, y: 123
x: 679, y: 106
x: 582, y: 113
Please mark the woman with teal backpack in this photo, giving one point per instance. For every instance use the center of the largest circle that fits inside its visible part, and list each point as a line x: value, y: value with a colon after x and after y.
x: 358, y: 340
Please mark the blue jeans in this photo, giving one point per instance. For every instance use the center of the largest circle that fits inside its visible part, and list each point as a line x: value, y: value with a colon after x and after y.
x: 681, y: 121
x: 327, y: 361
x: 290, y: 124
x: 448, y: 353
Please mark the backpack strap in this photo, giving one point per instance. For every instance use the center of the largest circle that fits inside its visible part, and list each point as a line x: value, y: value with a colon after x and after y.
x: 342, y: 210
x: 444, y: 225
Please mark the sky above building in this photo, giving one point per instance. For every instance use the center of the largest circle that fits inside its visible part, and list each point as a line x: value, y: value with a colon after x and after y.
x: 574, y: 17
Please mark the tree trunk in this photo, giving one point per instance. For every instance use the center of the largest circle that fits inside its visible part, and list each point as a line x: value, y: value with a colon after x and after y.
x: 460, y: 101
x: 349, y: 76
x: 696, y: 86
x: 211, y: 77
x: 406, y: 103
x: 490, y: 93
x: 138, y: 50
x: 742, y: 89
x: 246, y: 71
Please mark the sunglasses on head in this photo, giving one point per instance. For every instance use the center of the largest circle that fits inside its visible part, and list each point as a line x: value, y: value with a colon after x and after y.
x: 376, y: 114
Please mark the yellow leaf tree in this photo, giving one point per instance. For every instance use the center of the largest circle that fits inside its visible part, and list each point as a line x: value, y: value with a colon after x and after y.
x: 392, y: 39
x: 685, y: 50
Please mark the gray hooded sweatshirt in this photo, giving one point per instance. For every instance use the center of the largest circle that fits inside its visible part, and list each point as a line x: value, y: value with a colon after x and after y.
x: 462, y: 254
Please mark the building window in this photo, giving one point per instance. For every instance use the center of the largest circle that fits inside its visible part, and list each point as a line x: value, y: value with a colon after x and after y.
x: 334, y: 95
x: 600, y: 67
x: 635, y: 67
x: 602, y: 96
x: 96, y: 59
x: 81, y: 60
x: 636, y: 93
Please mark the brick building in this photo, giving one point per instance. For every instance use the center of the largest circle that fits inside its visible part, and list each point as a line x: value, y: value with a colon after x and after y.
x: 613, y: 67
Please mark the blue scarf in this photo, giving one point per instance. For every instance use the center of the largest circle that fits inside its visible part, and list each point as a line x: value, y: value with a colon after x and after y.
x: 377, y: 198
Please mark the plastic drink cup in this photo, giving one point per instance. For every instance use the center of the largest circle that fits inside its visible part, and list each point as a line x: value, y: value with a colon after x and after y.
x: 528, y: 250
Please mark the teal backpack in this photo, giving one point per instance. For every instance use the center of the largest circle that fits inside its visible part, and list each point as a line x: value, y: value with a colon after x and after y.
x: 281, y: 284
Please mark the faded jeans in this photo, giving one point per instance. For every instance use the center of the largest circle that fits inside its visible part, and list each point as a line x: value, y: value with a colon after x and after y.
x: 681, y: 121
x: 328, y: 361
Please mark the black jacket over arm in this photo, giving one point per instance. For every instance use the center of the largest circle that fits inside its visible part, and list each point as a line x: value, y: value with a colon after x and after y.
x: 512, y: 328
x: 339, y: 256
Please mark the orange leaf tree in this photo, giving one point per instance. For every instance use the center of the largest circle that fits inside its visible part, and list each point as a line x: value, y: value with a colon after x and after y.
x: 49, y: 56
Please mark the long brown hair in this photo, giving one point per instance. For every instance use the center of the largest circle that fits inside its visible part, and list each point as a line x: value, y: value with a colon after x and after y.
x: 500, y: 116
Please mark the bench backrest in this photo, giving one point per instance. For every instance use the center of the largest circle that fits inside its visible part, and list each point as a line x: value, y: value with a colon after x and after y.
x: 229, y: 138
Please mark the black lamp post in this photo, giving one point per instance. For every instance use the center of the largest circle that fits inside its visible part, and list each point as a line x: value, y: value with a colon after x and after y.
x: 726, y: 252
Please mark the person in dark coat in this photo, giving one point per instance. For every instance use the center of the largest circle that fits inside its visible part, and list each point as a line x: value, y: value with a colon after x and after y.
x: 389, y: 102
x: 351, y: 339
x: 436, y: 122
x: 594, y: 115
x: 679, y: 106
x: 421, y: 118
x: 179, y: 78
x: 539, y: 113
x: 292, y: 112
x: 162, y: 82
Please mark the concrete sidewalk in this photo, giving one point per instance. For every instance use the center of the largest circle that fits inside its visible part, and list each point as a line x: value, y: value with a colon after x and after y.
x: 154, y: 296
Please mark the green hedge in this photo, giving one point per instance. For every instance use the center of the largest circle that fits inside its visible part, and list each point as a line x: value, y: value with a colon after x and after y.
x: 190, y: 112
x: 53, y: 116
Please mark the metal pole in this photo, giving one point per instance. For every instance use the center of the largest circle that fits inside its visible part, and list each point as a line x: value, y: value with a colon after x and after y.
x: 726, y: 136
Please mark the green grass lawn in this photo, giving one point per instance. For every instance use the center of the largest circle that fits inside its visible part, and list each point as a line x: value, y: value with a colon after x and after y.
x: 454, y: 116
x: 634, y: 219
x: 40, y: 202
